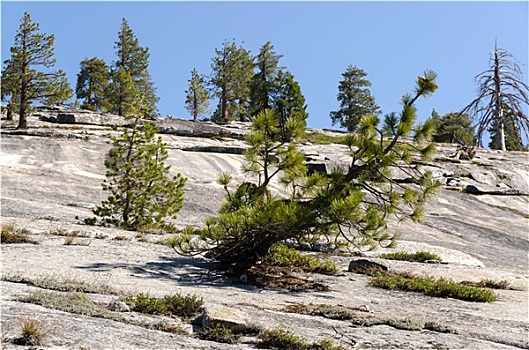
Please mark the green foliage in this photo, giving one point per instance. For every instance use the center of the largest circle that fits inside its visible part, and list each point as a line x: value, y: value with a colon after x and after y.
x: 355, y: 99
x: 176, y: 304
x: 320, y: 138
x: 512, y: 134
x: 22, y: 83
x: 60, y: 284
x: 348, y: 207
x: 440, y: 288
x: 62, y: 91
x: 219, y: 334
x: 454, y: 128
x: 264, y: 85
x: 282, y: 255
x: 92, y: 84
x: 12, y: 234
x: 281, y: 339
x: 141, y: 190
x: 416, y: 257
x: 197, y: 96
x: 232, y: 71
x: 488, y: 283
x: 131, y: 80
x: 289, y: 104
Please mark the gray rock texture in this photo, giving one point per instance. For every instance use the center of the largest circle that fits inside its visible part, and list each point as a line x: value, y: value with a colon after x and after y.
x: 50, y: 184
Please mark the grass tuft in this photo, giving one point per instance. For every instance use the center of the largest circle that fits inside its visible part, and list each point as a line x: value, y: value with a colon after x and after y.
x: 33, y: 332
x: 282, y: 255
x: 414, y: 257
x: 61, y: 284
x: 440, y: 288
x: 12, y: 234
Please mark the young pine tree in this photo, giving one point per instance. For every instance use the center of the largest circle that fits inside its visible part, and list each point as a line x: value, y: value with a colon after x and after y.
x: 141, y: 190
x: 350, y: 206
x: 197, y: 96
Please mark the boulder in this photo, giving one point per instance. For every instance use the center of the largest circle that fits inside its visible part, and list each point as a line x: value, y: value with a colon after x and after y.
x: 497, y: 191
x: 224, y: 316
x: 366, y: 267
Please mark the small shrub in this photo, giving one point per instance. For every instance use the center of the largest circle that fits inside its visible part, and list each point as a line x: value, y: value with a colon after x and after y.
x: 11, y: 234
x: 281, y: 339
x: 179, y: 305
x: 184, y: 305
x: 488, y: 283
x: 281, y: 255
x: 34, y: 332
x: 219, y: 334
x: 147, y: 304
x: 440, y: 288
x: 415, y: 257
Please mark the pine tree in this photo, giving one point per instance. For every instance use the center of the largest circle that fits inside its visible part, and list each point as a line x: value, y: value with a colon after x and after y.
x: 123, y: 96
x: 349, y: 206
x: 197, y: 96
x: 92, y: 83
x: 264, y: 84
x: 141, y: 191
x: 289, y: 102
x: 355, y: 99
x: 134, y: 60
x: 454, y: 128
x: 232, y: 70
x: 512, y: 135
x: 23, y: 84
x: 501, y: 88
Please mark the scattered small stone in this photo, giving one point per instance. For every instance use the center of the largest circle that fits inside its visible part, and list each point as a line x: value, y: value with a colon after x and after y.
x: 119, y: 306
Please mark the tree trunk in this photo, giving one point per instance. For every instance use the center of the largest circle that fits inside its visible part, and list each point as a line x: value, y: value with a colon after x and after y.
x: 224, y: 106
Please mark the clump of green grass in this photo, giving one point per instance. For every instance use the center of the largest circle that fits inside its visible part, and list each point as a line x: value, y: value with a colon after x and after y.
x: 61, y: 284
x: 282, y: 255
x: 281, y: 339
x: 415, y: 257
x: 440, y: 288
x: 488, y: 283
x: 75, y: 303
x: 12, y: 234
x: 33, y: 332
x: 319, y: 138
x: 176, y: 304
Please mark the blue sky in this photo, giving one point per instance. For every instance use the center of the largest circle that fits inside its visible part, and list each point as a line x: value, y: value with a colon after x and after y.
x: 392, y: 41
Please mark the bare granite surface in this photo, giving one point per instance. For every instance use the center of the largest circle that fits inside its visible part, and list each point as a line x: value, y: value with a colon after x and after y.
x: 50, y: 181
